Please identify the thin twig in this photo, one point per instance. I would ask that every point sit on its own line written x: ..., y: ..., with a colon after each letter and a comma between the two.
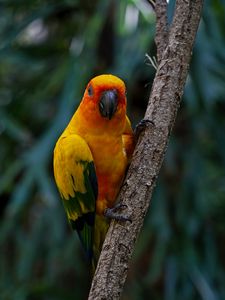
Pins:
x: 152, y: 61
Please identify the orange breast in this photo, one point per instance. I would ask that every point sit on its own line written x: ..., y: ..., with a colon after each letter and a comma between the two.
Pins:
x: 111, y: 162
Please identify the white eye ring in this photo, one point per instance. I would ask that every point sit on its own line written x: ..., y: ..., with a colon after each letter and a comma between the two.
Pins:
x: 90, y: 91
x: 101, y: 105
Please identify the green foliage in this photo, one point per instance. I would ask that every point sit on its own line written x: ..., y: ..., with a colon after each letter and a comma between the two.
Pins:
x: 48, y: 52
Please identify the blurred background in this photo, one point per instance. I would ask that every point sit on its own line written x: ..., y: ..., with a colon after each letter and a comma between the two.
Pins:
x: 49, y: 50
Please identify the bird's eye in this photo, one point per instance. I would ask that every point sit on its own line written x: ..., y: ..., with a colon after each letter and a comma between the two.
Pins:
x: 90, y: 91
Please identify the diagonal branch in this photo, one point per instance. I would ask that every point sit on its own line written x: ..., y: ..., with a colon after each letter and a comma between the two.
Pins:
x: 161, y: 35
x: 163, y: 104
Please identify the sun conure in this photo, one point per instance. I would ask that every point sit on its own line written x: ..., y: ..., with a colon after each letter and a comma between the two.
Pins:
x: 90, y: 160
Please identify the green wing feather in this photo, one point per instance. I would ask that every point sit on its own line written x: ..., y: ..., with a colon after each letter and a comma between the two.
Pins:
x: 76, y: 179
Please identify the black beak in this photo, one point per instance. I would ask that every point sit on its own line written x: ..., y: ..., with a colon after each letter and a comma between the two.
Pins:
x: 108, y: 104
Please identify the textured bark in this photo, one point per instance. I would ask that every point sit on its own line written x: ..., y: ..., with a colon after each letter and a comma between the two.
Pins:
x: 161, y: 35
x: 163, y: 104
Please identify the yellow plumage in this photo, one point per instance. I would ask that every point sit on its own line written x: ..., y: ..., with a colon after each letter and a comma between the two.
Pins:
x: 91, y: 157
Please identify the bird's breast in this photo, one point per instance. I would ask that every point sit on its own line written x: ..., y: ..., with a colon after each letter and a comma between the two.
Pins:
x: 108, y: 153
x: 110, y: 162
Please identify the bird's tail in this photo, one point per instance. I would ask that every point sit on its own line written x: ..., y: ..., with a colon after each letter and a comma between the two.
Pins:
x: 101, y: 228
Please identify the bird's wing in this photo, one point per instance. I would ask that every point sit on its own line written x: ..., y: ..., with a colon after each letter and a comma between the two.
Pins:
x: 76, y: 179
x: 128, y: 139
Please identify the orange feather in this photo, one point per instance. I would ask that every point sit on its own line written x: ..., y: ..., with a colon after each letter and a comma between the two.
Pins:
x: 108, y: 136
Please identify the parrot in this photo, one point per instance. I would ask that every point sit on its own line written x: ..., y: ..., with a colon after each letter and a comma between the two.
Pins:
x: 90, y: 161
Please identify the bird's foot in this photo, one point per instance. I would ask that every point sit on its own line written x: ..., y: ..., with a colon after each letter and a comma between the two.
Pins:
x: 112, y: 213
x: 140, y: 127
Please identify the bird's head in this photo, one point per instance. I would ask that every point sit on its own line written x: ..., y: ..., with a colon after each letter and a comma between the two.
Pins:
x: 105, y: 97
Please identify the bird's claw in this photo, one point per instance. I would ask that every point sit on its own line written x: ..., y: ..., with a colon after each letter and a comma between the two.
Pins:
x: 112, y: 213
x: 119, y: 206
x: 144, y: 123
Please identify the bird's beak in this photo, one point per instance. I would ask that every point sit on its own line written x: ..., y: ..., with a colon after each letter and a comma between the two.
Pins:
x: 108, y: 104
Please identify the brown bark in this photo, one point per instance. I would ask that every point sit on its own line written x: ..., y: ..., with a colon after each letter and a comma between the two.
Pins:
x: 161, y: 35
x: 162, y: 108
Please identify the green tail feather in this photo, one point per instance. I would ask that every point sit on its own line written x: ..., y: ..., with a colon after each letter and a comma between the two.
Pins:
x: 84, y: 227
x: 101, y: 228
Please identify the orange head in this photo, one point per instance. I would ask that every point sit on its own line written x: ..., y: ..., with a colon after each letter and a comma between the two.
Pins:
x: 105, y: 98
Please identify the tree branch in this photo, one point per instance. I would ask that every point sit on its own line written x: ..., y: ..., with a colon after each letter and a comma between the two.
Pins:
x: 136, y: 192
x: 161, y: 35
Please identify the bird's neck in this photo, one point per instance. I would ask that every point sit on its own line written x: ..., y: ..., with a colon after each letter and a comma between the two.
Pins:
x: 89, y: 122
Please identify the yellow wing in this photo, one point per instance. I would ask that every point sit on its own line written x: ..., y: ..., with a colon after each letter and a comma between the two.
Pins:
x: 128, y: 139
x: 76, y: 180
